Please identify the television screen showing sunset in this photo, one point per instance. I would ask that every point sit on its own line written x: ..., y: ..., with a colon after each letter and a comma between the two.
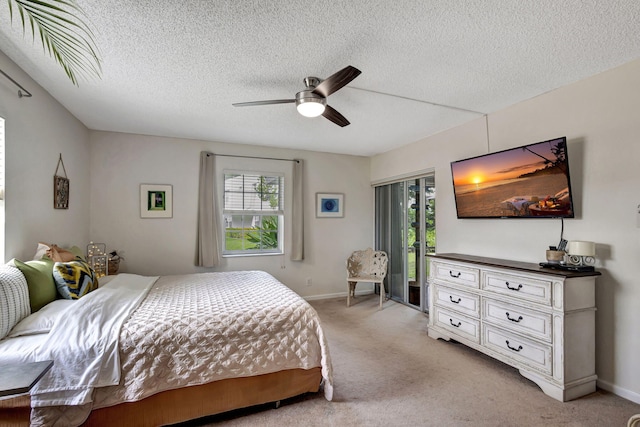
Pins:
x: 528, y: 181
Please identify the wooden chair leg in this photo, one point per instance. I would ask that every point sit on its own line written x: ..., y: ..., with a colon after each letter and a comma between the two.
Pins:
x: 383, y: 294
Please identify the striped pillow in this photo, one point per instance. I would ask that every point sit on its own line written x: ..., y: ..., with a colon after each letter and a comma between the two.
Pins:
x: 14, y: 298
x: 74, y: 279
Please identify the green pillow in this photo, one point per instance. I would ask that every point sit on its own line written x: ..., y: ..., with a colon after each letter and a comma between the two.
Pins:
x: 77, y: 252
x: 42, y: 287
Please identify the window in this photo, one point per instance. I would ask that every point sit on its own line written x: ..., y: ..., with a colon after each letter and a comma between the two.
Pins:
x: 253, y: 213
x: 2, y: 180
x: 1, y: 159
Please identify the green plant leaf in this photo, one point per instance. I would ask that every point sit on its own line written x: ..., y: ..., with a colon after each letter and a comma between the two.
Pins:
x: 62, y: 33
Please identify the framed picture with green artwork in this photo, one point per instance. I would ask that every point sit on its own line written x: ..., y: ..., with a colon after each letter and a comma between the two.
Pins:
x: 156, y: 201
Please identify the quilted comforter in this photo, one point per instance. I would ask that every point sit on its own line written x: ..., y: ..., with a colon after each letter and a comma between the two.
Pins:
x: 189, y: 330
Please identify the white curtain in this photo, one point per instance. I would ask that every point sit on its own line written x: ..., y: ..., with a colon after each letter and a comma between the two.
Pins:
x: 297, y: 215
x: 208, y: 231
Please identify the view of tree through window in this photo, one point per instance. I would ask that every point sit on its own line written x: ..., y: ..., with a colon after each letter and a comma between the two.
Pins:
x: 253, y: 213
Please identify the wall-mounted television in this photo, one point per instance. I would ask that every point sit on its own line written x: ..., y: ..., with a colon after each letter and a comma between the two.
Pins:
x: 531, y: 181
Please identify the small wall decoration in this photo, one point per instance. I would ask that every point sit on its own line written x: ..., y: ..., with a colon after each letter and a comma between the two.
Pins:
x: 329, y: 205
x: 60, y: 187
x: 156, y: 201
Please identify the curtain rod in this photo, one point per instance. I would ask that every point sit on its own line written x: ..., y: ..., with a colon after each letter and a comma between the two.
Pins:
x: 254, y: 157
x: 20, y: 94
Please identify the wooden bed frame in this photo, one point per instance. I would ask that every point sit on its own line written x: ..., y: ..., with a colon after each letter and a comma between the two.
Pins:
x: 179, y: 405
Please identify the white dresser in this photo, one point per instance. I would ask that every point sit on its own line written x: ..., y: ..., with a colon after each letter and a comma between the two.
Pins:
x: 539, y: 320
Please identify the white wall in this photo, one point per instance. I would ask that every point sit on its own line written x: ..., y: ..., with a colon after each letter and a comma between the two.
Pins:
x: 38, y: 130
x: 121, y: 162
x: 601, y: 118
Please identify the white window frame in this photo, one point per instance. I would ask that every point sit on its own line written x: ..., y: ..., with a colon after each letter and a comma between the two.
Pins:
x: 252, y: 211
x: 2, y: 186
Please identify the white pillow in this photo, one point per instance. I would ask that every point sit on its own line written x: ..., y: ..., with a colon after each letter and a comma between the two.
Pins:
x: 14, y: 298
x: 41, y: 251
x: 42, y: 320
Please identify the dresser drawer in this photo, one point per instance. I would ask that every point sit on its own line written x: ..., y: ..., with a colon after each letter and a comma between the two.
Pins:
x: 461, y: 301
x: 457, y: 274
x: 458, y: 324
x: 528, y: 352
x: 518, y: 319
x: 520, y: 287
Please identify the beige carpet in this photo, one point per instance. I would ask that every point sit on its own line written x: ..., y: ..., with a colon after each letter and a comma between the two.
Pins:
x: 388, y: 372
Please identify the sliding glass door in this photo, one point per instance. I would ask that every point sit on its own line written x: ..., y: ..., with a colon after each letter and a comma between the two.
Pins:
x: 405, y: 229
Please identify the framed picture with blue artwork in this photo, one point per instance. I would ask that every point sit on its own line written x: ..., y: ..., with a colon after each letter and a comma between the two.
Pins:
x: 329, y: 205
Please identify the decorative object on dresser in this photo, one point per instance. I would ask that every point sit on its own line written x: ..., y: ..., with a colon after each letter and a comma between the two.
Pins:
x: 555, y: 257
x: 539, y: 320
x: 581, y: 253
x: 366, y: 266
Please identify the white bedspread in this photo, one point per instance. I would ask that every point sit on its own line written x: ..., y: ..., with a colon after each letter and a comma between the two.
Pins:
x: 84, y: 344
x: 193, y: 329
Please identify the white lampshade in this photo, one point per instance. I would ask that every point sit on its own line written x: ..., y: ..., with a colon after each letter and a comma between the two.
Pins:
x: 581, y: 248
x: 310, y: 108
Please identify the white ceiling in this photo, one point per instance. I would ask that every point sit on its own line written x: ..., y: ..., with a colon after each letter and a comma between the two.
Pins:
x: 173, y: 68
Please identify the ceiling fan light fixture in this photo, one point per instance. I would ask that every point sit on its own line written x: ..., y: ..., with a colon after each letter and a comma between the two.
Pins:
x: 312, y: 101
x: 309, y: 104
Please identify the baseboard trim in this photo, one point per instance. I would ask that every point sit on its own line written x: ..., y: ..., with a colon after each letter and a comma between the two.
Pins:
x: 336, y: 295
x: 619, y: 391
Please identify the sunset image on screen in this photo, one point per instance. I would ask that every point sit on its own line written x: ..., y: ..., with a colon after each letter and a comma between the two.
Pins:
x: 514, y: 182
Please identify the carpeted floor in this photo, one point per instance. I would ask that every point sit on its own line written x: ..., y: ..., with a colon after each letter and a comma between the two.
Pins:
x: 388, y: 372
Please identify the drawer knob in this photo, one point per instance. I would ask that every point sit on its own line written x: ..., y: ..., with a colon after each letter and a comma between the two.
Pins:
x: 453, y: 324
x: 455, y: 276
x: 455, y: 302
x: 513, y: 319
x: 513, y: 348
x: 513, y: 289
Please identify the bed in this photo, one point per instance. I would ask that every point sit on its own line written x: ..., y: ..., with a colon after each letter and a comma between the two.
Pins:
x: 171, y: 349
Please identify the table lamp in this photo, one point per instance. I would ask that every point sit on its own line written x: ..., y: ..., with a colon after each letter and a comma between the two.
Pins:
x: 581, y: 253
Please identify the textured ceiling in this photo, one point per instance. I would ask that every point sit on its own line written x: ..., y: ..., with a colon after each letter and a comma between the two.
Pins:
x: 174, y: 68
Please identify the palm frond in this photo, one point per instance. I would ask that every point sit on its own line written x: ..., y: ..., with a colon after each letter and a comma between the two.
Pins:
x: 63, y: 34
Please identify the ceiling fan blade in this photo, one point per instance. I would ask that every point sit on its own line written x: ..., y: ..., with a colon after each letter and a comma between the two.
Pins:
x: 337, y: 81
x: 337, y: 118
x: 268, y: 102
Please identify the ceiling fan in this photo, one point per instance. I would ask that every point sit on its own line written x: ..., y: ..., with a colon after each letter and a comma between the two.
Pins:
x: 312, y: 101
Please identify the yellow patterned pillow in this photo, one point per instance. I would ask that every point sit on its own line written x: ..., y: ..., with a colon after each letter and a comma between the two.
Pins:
x: 74, y: 279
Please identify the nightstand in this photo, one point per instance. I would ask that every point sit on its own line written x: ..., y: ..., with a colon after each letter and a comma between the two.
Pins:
x: 16, y: 379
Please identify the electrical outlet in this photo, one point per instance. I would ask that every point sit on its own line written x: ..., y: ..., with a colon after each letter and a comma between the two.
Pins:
x: 308, y: 281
